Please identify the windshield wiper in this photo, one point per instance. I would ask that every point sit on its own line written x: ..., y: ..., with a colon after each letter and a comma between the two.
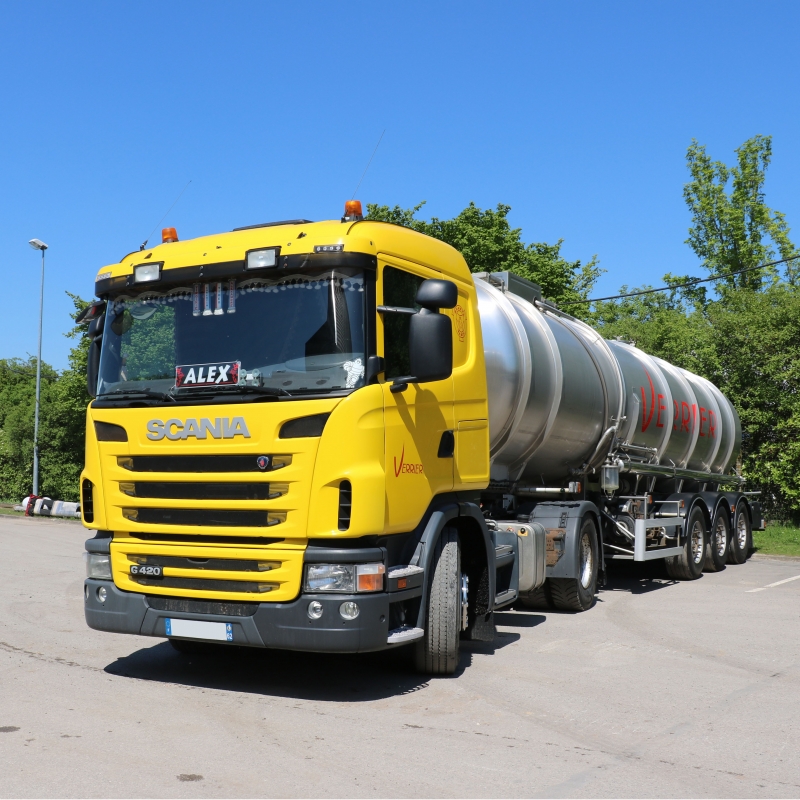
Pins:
x: 141, y: 392
x: 274, y: 391
x: 268, y: 391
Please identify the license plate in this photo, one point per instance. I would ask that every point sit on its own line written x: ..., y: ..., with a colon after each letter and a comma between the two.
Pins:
x: 198, y: 629
x: 147, y: 571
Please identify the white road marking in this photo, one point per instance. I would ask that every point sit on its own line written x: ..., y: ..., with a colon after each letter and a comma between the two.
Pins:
x: 777, y: 583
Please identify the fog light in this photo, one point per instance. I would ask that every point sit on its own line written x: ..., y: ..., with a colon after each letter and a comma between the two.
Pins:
x: 349, y: 610
x: 314, y: 609
x: 102, y: 594
x: 261, y: 259
x: 147, y: 273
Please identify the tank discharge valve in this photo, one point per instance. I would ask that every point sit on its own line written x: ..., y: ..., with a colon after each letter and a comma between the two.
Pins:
x: 609, y: 478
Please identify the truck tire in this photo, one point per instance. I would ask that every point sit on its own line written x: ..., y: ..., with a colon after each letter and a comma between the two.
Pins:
x: 741, y: 536
x: 688, y: 566
x: 538, y: 599
x: 437, y: 652
x: 718, y: 541
x: 577, y: 594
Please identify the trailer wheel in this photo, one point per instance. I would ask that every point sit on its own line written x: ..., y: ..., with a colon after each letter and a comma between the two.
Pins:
x: 538, y: 599
x: 718, y: 542
x: 741, y: 536
x: 577, y: 594
x: 437, y: 652
x: 688, y: 566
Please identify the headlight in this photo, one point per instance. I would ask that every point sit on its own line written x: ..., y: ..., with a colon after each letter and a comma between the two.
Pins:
x: 98, y: 566
x: 331, y: 578
x: 147, y: 273
x: 262, y: 259
x: 349, y: 578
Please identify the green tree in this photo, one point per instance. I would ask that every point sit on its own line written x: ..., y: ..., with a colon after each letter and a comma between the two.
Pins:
x: 732, y: 226
x: 489, y: 244
x: 61, y: 423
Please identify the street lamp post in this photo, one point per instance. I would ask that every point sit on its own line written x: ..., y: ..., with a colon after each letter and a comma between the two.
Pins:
x: 38, y: 244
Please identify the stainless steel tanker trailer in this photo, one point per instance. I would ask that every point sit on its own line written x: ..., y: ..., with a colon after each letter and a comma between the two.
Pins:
x: 600, y: 452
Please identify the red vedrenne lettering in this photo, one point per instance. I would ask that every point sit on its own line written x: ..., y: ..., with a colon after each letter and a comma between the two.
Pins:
x: 661, y: 407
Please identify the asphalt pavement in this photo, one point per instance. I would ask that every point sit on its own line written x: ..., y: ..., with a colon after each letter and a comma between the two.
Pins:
x: 663, y: 689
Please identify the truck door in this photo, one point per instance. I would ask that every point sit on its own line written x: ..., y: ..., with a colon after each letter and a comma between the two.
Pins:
x: 416, y: 419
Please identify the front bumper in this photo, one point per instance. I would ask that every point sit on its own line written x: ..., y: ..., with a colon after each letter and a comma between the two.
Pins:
x: 284, y: 626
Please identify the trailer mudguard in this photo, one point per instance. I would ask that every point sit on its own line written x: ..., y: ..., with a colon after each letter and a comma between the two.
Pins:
x: 562, y: 521
x: 706, y: 500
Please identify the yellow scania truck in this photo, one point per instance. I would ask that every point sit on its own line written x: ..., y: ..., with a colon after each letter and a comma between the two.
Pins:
x: 334, y: 437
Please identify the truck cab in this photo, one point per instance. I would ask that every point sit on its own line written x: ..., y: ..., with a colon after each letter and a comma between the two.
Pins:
x: 288, y: 441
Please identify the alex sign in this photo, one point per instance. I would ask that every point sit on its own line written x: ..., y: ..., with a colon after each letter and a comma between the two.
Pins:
x: 197, y: 375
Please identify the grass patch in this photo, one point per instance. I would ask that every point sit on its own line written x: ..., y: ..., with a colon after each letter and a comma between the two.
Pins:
x: 10, y: 512
x: 778, y: 540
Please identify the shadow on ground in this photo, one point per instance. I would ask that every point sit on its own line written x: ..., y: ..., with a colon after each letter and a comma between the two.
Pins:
x: 304, y: 676
x: 636, y: 577
x: 279, y: 673
x: 344, y: 678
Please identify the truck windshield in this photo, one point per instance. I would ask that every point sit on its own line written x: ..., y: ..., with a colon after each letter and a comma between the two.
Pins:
x: 293, y: 334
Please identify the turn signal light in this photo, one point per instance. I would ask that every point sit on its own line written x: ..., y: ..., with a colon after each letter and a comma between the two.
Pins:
x: 370, y: 577
x: 169, y: 235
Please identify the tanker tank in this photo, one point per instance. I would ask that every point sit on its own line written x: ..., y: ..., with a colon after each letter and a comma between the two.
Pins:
x: 563, y: 400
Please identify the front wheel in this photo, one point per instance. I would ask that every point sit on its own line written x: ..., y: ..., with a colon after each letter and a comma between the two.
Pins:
x: 688, y: 566
x: 438, y: 650
x: 577, y: 594
x: 718, y: 542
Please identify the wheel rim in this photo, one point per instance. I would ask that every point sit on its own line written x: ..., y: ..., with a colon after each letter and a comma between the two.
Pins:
x: 741, y: 531
x: 721, y: 537
x: 697, y: 541
x: 587, y: 561
x: 464, y: 601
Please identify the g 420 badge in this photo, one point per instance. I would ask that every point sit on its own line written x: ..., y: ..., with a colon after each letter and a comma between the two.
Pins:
x: 192, y: 376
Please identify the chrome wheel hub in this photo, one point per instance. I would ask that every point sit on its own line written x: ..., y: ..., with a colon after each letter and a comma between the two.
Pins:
x: 741, y: 531
x: 720, y: 538
x: 697, y: 542
x: 587, y: 561
x: 464, y: 601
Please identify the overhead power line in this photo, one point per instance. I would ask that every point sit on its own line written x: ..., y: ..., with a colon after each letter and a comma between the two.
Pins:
x: 692, y: 282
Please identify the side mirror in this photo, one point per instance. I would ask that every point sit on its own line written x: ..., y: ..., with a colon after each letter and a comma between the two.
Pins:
x: 430, y: 345
x: 91, y: 312
x: 435, y: 294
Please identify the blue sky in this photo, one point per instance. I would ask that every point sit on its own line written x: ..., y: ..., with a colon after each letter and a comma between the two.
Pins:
x: 577, y: 114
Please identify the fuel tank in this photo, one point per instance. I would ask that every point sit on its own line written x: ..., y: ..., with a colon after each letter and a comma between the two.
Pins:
x: 562, y: 398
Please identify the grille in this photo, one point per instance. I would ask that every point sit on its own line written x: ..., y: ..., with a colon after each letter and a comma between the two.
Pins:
x: 204, y: 491
x: 248, y: 463
x: 206, y: 584
x: 345, y: 504
x: 200, y: 538
x: 203, y: 517
x: 182, y: 604
x: 221, y: 564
